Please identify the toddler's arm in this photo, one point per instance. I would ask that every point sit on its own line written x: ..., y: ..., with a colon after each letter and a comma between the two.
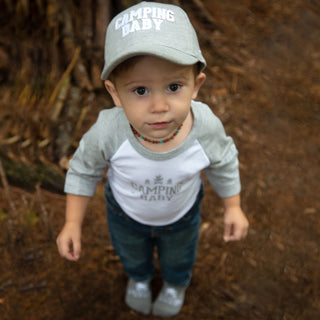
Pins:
x: 69, y: 239
x: 235, y: 222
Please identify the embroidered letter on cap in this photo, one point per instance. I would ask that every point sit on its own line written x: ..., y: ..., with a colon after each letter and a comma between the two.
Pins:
x: 157, y: 23
x: 143, y: 19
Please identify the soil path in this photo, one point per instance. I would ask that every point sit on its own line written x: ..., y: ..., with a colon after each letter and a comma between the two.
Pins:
x: 263, y: 82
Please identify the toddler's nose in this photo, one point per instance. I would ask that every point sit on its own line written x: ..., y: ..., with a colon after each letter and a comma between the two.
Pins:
x: 159, y: 104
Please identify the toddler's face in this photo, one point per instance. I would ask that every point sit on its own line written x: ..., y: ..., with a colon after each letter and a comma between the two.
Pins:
x: 156, y: 95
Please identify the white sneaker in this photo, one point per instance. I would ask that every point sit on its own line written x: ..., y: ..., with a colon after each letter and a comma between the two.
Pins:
x: 138, y: 296
x: 169, y: 301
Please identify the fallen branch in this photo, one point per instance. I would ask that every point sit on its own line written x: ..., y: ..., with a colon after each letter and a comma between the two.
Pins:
x: 28, y: 176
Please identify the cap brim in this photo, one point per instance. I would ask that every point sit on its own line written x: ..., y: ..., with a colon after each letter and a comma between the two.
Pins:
x: 167, y: 53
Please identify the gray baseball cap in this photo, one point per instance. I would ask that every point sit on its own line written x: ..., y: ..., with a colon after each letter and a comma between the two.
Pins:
x: 151, y: 28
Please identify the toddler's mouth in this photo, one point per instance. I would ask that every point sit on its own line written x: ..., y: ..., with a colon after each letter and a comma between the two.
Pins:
x: 159, y: 125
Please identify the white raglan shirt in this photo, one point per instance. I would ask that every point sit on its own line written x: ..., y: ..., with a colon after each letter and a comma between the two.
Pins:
x: 154, y: 188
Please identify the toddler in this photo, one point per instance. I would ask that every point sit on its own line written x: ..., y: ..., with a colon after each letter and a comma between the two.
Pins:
x: 155, y: 143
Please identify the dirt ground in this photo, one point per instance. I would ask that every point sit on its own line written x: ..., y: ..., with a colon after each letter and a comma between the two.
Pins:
x: 264, y: 83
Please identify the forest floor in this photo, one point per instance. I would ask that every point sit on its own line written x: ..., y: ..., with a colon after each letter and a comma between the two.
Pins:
x: 263, y: 81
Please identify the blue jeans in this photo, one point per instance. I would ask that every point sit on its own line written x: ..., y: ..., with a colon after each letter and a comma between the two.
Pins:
x: 134, y: 242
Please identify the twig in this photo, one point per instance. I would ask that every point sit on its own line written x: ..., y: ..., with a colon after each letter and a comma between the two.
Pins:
x: 65, y: 75
x: 44, y: 210
x: 61, y: 97
x: 80, y: 73
x: 13, y: 209
x: 5, y: 185
x: 29, y: 286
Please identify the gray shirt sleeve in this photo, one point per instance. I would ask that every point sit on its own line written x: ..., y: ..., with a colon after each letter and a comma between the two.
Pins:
x: 223, y: 171
x: 91, y: 158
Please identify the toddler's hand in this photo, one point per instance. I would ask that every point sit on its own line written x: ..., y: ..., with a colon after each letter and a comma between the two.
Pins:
x: 235, y: 224
x: 69, y: 241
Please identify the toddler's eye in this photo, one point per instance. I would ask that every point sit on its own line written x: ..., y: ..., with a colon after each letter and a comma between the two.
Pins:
x: 141, y: 91
x: 174, y: 87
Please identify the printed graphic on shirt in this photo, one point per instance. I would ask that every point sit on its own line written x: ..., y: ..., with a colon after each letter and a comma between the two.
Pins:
x: 157, y: 189
x: 143, y: 19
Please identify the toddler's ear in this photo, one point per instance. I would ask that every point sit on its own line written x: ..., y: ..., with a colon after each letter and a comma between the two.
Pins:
x: 113, y: 92
x: 200, y: 78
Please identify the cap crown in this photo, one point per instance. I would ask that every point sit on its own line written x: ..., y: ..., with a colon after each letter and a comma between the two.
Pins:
x: 151, y: 28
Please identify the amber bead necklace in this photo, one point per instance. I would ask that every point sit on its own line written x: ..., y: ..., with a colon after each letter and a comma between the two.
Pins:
x: 155, y: 141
